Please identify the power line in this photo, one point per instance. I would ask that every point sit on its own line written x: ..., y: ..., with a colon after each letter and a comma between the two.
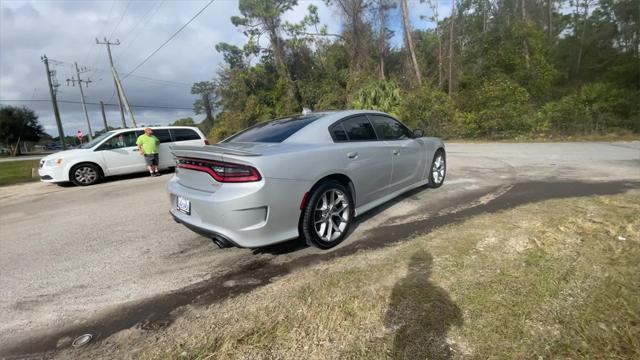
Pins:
x: 145, y: 20
x: 142, y: 77
x: 119, y: 21
x: 169, y: 39
x: 93, y: 46
x: 94, y: 103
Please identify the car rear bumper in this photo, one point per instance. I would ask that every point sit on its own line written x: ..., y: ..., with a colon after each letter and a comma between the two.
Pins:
x: 246, y: 215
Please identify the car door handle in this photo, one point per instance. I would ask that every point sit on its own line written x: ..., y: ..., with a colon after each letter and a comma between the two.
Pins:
x: 352, y: 155
x: 396, y: 152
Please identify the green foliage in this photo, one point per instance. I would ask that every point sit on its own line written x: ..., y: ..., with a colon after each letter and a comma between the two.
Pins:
x: 188, y: 121
x: 594, y: 108
x: 379, y: 95
x: 515, y: 71
x: 431, y: 110
x: 498, y: 108
x: 18, y: 124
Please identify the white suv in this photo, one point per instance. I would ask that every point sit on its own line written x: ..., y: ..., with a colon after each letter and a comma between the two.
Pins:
x: 114, y: 153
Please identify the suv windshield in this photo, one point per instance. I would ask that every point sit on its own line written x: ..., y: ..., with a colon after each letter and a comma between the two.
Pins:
x: 97, y: 140
x: 274, y: 131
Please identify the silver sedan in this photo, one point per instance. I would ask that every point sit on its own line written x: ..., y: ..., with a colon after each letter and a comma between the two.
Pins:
x: 303, y: 176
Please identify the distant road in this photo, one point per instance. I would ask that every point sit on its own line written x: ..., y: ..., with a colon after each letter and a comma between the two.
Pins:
x: 20, y: 158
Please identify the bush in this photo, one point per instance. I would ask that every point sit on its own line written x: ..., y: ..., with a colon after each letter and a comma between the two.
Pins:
x: 499, y: 108
x: 379, y: 95
x: 429, y: 109
x: 595, y: 108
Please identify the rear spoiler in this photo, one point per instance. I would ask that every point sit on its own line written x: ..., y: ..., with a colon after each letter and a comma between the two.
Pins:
x: 210, y: 150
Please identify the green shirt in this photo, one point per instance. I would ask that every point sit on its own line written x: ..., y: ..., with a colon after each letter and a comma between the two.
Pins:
x: 149, y: 144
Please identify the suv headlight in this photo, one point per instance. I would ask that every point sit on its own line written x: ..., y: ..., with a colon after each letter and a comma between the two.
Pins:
x: 53, y: 162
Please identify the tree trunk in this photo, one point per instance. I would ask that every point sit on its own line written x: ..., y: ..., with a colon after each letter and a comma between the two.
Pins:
x: 550, y: 19
x: 581, y: 41
x: 451, y: 27
x: 525, y: 43
x: 439, y: 59
x: 281, y: 66
x: 382, y: 41
x: 207, y: 107
x: 407, y: 33
x: 484, y: 16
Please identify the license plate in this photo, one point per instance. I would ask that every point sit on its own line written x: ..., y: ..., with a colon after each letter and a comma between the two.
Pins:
x: 184, y: 205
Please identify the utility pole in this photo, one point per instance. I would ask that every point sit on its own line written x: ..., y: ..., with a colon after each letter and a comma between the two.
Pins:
x: 80, y: 81
x: 122, y: 98
x: 54, y: 101
x: 451, y: 22
x: 104, y: 117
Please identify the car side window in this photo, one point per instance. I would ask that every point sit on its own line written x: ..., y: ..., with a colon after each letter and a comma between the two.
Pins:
x: 390, y: 129
x: 338, y: 132
x: 163, y: 135
x: 184, y: 134
x: 358, y: 128
x: 121, y: 140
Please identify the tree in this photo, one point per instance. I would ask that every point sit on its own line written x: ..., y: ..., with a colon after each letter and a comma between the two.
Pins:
x: 183, y: 122
x: 207, y: 92
x: 356, y: 31
x: 264, y: 17
x: 18, y: 124
x: 382, y: 8
x: 409, y: 40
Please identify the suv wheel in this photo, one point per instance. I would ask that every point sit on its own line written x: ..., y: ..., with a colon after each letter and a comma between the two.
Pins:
x: 84, y: 174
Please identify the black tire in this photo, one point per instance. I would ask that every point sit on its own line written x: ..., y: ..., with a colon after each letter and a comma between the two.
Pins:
x: 432, y: 182
x: 312, y: 214
x: 85, y: 174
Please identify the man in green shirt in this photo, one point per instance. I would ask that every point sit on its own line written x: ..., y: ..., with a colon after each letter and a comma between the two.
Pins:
x: 148, y: 146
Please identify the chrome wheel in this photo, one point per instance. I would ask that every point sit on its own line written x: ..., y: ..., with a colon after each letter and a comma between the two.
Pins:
x: 438, y: 169
x: 331, y: 215
x: 85, y: 175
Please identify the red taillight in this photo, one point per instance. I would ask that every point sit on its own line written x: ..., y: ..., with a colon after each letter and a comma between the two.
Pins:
x: 206, y: 142
x: 221, y: 171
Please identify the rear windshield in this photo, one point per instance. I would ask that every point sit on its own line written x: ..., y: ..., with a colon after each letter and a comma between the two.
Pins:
x: 273, y: 131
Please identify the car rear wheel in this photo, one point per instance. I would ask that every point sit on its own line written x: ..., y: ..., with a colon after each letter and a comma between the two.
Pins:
x: 85, y: 174
x: 438, y: 169
x: 328, y: 214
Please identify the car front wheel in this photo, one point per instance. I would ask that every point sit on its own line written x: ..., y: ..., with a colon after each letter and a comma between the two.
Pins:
x: 438, y: 169
x: 328, y: 214
x: 85, y: 174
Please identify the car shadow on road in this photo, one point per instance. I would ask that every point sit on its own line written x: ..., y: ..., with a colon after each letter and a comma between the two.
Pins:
x: 298, y: 244
x: 420, y: 314
x: 115, y: 178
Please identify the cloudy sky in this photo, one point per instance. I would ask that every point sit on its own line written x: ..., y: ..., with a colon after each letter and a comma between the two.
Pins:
x: 159, y: 90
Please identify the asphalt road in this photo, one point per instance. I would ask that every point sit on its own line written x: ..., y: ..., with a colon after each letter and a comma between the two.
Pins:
x: 74, y: 258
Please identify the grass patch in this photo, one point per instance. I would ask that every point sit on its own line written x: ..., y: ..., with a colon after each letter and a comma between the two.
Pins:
x: 13, y: 172
x: 556, y: 279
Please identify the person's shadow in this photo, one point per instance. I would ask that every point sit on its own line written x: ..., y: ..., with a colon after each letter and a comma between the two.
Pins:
x: 420, y: 314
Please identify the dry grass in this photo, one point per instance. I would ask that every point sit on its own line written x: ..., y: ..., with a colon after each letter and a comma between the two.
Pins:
x: 547, y: 280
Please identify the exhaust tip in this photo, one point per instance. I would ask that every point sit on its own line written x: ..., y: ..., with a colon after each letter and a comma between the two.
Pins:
x: 221, y: 242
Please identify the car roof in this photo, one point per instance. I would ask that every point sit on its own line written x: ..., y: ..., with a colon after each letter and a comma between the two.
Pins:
x: 155, y: 128
x: 316, y: 132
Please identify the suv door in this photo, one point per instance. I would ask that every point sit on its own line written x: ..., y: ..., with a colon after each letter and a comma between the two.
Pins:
x: 407, y: 152
x: 369, y: 162
x: 165, y: 158
x: 121, y: 155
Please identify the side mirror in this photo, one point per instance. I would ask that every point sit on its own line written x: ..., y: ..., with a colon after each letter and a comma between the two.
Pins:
x: 418, y: 133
